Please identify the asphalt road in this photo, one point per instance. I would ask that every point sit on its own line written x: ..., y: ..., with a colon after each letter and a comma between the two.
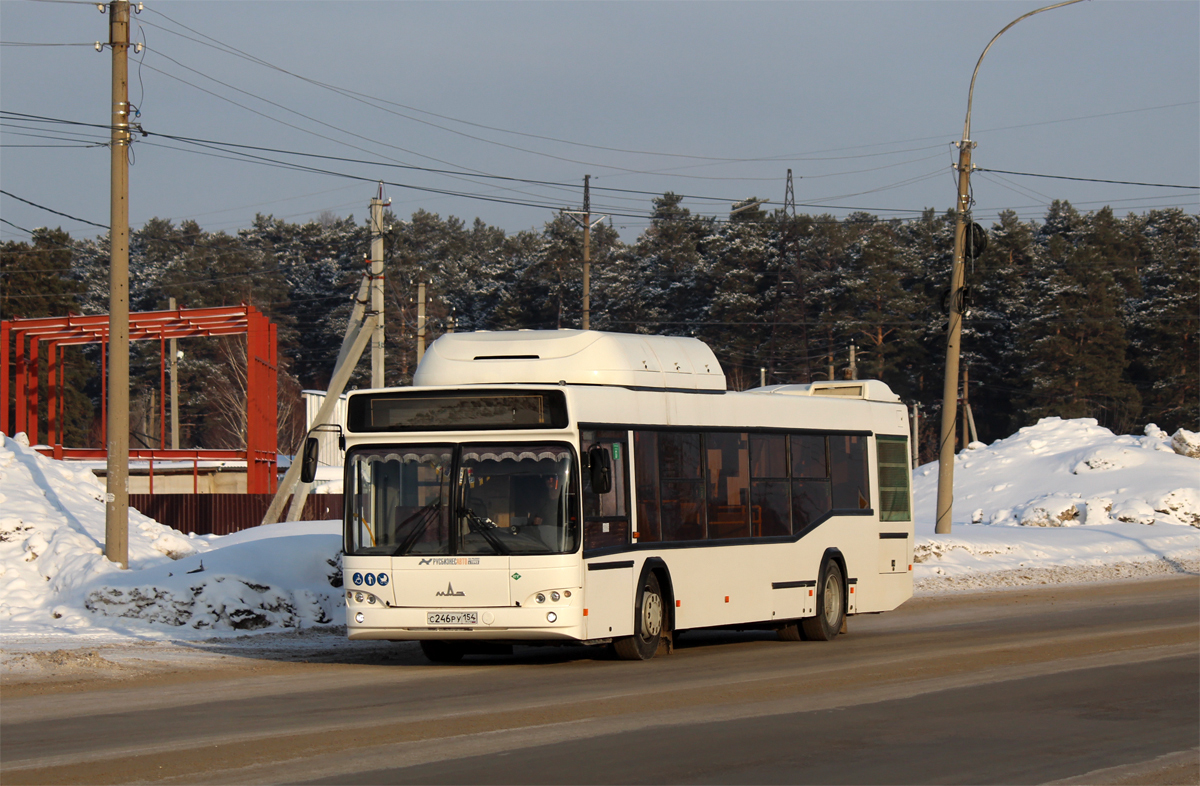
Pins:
x: 1094, y: 682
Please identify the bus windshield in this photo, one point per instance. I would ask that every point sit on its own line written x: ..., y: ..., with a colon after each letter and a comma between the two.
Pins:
x: 472, y: 499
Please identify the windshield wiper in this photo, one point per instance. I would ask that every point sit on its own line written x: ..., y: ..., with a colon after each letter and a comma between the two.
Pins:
x: 420, y: 522
x: 484, y: 527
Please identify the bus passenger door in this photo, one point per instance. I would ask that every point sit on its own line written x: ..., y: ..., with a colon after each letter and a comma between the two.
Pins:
x: 606, y: 520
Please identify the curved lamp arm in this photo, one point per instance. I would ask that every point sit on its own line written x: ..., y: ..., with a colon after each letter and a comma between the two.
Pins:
x: 971, y: 92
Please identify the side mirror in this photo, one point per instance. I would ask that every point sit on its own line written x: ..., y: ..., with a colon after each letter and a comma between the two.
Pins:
x: 308, y: 467
x: 600, y: 469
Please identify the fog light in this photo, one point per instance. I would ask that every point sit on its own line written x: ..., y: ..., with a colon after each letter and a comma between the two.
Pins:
x: 359, y: 617
x: 551, y: 617
x: 541, y: 598
x: 555, y: 596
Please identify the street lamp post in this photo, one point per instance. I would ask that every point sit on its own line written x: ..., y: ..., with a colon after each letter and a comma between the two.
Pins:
x: 945, y: 496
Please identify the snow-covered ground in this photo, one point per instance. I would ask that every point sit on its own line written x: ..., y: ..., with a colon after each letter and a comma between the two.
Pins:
x: 1059, y: 501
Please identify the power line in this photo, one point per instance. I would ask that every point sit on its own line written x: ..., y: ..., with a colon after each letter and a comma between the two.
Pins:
x: 51, y: 210
x: 1085, y: 179
x: 32, y: 43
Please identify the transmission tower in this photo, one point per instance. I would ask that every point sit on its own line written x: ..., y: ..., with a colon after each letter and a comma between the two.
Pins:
x: 789, y: 198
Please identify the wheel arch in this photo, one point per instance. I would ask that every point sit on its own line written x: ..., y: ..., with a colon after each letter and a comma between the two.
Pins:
x: 658, y: 567
x: 834, y: 554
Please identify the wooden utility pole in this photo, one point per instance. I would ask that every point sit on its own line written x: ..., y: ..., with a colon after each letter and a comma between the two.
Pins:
x: 945, y: 489
x: 584, y: 219
x: 421, y: 318
x: 916, y: 434
x: 377, y: 205
x: 945, y: 496
x: 116, y: 506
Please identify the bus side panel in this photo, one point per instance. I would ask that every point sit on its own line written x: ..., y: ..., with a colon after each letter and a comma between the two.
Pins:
x: 608, y: 599
x: 727, y: 586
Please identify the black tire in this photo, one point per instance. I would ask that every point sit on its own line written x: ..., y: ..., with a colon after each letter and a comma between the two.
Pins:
x: 648, y: 623
x: 831, y: 605
x: 443, y: 651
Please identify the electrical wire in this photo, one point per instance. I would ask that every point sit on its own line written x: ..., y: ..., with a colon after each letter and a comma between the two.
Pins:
x: 32, y: 43
x: 367, y: 99
x: 465, y: 176
x: 1085, y: 179
x: 51, y: 210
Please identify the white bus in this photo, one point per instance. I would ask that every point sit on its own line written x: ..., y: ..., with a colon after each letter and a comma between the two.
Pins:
x: 600, y: 488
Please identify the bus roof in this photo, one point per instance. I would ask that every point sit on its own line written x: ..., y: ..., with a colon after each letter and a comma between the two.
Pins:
x: 573, y: 357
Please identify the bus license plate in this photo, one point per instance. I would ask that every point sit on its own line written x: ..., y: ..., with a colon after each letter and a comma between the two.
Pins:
x: 453, y: 617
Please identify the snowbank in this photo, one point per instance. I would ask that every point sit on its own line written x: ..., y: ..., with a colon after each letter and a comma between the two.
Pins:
x: 1061, y: 493
x: 54, y: 578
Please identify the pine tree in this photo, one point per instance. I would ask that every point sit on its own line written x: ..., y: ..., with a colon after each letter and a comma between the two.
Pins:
x: 1075, y: 339
x: 1163, y: 320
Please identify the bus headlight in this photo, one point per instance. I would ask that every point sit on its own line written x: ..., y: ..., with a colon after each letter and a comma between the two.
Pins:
x: 551, y: 617
x: 541, y: 598
x: 554, y: 595
x: 358, y: 596
x: 370, y: 599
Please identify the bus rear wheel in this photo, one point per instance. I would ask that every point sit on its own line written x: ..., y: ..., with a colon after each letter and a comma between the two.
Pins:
x: 647, y: 626
x: 443, y: 651
x: 831, y: 605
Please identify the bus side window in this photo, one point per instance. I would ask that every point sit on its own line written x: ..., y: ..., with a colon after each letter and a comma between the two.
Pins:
x: 810, y: 480
x: 606, y: 516
x: 728, y: 458
x: 645, y: 443
x: 770, y: 513
x: 848, y: 462
x: 681, y: 486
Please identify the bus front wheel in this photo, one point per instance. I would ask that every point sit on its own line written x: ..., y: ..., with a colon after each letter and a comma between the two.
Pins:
x: 831, y: 605
x: 442, y: 651
x: 647, y: 626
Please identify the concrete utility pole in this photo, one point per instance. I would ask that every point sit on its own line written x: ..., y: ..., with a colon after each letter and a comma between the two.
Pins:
x: 174, y: 387
x: 962, y: 207
x: 584, y: 219
x: 358, y: 336
x: 116, y: 506
x: 853, y: 370
x: 377, y: 205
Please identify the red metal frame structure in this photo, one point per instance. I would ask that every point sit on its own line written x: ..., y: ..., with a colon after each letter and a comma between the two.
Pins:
x: 260, y: 454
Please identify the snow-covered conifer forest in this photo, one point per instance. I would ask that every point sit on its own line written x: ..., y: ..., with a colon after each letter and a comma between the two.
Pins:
x: 1075, y: 315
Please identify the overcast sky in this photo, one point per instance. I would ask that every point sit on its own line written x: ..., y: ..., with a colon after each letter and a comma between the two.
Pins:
x: 714, y: 100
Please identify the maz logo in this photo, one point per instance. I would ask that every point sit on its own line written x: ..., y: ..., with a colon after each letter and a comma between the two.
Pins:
x: 450, y: 593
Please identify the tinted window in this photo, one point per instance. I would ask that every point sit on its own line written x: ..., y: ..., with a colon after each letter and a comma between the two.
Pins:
x: 768, y: 455
x: 769, y: 508
x: 728, y: 464
x: 721, y: 484
x: 679, y: 455
x: 682, y: 510
x: 646, y: 485
x: 810, y: 501
x: 809, y: 457
x: 848, y: 465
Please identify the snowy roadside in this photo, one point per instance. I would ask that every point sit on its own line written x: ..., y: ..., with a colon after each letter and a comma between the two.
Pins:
x: 1060, y: 502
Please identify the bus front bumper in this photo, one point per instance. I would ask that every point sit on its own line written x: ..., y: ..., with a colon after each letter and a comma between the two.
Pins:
x: 505, y: 623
